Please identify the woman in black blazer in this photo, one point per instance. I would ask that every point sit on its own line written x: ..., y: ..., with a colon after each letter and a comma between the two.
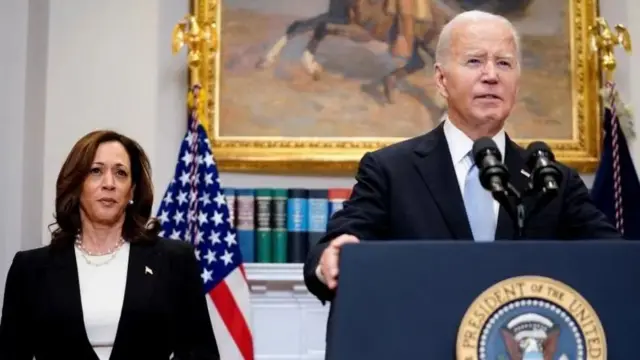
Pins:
x: 107, y: 287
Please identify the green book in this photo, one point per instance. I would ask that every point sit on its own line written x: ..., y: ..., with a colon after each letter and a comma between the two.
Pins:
x: 264, y: 237
x: 279, y: 225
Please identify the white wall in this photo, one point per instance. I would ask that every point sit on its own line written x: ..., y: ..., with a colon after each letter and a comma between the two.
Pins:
x: 72, y: 66
x: 22, y: 100
x: 69, y: 67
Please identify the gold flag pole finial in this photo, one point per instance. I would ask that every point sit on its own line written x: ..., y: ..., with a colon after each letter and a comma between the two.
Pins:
x: 603, y: 41
x: 198, y: 32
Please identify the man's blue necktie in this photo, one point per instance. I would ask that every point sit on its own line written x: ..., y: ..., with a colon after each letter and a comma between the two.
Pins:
x: 479, y: 205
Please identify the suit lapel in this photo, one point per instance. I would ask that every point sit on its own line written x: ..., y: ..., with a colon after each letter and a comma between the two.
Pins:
x: 514, y: 161
x: 65, y: 296
x: 142, y: 273
x: 433, y: 162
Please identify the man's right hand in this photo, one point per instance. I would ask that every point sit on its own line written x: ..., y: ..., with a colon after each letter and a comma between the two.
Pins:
x: 328, y: 266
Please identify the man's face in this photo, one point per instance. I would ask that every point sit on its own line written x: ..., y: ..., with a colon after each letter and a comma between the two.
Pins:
x: 480, y: 76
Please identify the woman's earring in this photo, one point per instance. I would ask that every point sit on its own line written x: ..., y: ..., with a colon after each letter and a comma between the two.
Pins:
x: 131, y: 202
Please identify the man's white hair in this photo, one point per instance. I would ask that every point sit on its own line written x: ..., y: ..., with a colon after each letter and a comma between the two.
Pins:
x: 444, y: 41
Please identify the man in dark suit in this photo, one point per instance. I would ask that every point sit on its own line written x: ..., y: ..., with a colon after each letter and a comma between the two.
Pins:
x: 427, y: 187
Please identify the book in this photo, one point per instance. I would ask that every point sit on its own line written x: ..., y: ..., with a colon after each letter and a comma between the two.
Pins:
x: 279, y: 225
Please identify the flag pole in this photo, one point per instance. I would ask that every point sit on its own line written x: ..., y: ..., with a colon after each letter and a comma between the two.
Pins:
x: 198, y: 33
x: 603, y: 41
x: 196, y: 191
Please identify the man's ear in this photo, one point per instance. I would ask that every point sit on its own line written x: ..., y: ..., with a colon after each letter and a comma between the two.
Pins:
x: 440, y: 80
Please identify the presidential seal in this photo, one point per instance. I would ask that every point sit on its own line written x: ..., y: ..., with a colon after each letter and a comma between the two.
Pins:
x: 530, y: 318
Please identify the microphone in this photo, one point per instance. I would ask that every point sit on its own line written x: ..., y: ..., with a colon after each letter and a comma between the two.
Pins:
x: 494, y: 177
x: 545, y: 174
x: 493, y: 173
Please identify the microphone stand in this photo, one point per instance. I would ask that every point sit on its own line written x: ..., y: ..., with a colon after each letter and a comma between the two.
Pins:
x: 518, y: 214
x: 519, y: 218
x: 542, y: 197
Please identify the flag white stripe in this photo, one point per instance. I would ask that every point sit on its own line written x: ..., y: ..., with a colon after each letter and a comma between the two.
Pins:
x: 226, y: 345
x: 240, y: 291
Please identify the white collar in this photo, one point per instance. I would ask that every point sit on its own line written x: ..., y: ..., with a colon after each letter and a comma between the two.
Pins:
x: 460, y: 144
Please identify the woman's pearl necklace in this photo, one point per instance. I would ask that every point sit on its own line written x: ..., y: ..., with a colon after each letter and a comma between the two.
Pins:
x: 113, y: 251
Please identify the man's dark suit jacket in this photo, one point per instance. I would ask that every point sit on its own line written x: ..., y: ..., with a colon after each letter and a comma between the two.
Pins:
x: 163, y: 312
x: 409, y: 191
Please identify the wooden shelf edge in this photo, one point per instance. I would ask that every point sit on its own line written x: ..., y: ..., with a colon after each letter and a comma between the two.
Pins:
x: 258, y: 272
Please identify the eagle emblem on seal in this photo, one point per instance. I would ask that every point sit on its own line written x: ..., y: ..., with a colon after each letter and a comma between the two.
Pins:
x: 531, y: 336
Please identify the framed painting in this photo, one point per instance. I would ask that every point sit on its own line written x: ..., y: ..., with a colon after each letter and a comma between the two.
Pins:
x: 310, y: 86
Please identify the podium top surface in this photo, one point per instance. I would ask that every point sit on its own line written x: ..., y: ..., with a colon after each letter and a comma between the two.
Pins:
x: 424, y: 299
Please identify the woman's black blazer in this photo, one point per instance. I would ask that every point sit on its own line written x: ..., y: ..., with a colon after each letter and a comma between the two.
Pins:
x: 164, y: 310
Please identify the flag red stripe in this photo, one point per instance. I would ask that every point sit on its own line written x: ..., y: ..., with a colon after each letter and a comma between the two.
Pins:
x: 243, y: 271
x: 233, y: 318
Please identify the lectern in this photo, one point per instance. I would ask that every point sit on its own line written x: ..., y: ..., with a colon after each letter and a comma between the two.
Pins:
x: 507, y: 300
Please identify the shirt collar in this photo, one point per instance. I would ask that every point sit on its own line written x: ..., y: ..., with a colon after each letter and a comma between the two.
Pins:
x: 460, y: 144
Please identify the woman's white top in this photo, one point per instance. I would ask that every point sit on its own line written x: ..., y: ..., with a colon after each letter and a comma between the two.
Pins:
x: 102, y: 293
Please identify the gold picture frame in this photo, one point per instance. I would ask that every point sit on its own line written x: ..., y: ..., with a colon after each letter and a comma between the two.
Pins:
x: 333, y: 155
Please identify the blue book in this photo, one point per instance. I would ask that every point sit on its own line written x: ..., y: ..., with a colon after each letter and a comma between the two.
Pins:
x: 297, y: 225
x: 245, y: 223
x: 318, y: 204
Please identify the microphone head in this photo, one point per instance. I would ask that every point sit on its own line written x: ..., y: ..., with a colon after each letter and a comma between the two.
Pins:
x: 481, y: 147
x: 537, y: 148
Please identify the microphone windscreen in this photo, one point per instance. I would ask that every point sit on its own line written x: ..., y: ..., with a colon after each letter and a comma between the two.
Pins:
x: 537, y: 147
x: 480, y: 147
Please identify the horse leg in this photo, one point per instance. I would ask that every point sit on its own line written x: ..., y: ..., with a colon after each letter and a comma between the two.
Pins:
x: 296, y: 28
x: 425, y: 42
x: 390, y: 81
x: 351, y: 31
x: 403, y: 45
x: 415, y: 63
x: 308, y: 57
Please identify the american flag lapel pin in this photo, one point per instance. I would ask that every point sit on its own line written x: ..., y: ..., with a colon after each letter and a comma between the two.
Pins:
x: 147, y: 270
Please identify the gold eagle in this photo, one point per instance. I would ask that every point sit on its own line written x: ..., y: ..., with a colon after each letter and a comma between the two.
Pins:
x: 603, y: 38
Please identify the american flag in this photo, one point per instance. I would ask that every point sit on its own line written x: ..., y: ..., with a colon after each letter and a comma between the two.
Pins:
x: 616, y: 186
x: 194, y: 209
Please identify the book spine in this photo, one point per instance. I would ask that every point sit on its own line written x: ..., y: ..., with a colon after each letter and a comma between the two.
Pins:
x: 318, y: 210
x: 337, y: 197
x: 279, y: 225
x: 245, y: 223
x: 264, y: 242
x: 230, y: 196
x: 297, y: 222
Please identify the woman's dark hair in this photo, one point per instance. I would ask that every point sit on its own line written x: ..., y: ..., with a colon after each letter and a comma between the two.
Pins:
x: 138, y: 223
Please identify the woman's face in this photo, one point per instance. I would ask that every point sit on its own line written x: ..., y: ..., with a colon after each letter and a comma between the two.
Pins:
x: 107, y: 189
